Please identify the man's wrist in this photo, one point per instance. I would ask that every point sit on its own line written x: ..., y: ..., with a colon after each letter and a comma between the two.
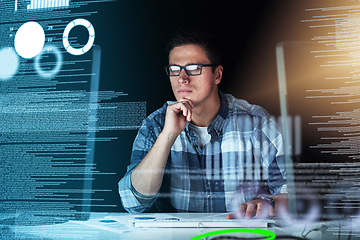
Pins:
x: 168, y: 136
x: 266, y: 198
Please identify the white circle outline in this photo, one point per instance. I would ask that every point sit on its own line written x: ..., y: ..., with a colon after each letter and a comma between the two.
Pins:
x: 78, y: 22
x: 52, y: 73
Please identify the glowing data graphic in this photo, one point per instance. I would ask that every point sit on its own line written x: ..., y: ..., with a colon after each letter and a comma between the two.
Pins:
x: 9, y: 63
x: 29, y: 39
x: 38, y: 4
x: 78, y: 22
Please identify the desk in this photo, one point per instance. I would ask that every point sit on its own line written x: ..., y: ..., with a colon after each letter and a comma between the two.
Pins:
x: 100, y: 226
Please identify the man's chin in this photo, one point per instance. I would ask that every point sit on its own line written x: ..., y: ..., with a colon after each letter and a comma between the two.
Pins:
x: 179, y: 98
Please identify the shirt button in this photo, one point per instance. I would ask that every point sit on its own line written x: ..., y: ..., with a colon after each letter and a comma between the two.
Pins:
x: 208, y: 196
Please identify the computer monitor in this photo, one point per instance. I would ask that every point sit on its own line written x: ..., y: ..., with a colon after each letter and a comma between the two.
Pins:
x: 319, y: 112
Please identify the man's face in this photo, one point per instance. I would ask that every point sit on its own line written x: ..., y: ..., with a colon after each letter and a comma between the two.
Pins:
x: 198, y: 89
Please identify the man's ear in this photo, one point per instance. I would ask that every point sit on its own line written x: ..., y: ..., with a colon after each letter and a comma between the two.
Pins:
x: 218, y: 74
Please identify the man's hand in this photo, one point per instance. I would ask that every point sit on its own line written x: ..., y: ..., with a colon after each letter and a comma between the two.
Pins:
x: 177, y: 116
x: 147, y: 176
x: 260, y: 208
x: 256, y: 208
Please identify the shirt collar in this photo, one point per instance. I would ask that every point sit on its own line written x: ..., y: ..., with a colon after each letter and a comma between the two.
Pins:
x: 217, y: 125
x: 215, y: 128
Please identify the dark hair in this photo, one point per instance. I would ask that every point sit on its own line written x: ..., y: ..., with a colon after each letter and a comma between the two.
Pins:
x: 197, y: 37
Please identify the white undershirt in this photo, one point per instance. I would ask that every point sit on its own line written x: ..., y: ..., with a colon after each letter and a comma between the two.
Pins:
x: 203, y: 136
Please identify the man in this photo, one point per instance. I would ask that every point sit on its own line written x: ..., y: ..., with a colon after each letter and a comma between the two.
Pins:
x: 207, y: 152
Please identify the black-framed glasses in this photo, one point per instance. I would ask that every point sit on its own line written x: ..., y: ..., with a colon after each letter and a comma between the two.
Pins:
x: 191, y: 69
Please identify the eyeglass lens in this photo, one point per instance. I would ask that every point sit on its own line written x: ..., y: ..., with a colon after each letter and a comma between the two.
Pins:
x: 190, y: 70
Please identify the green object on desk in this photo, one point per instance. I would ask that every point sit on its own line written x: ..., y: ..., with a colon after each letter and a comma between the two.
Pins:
x: 268, y: 235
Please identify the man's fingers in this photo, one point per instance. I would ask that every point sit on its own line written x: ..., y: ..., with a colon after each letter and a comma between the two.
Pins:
x: 256, y: 208
x: 264, y: 210
x: 246, y: 210
x: 189, y: 106
x: 259, y: 210
x: 187, y: 101
x: 184, y: 107
x: 186, y: 111
x: 242, y: 210
x: 231, y: 216
x: 271, y: 212
x: 250, y: 209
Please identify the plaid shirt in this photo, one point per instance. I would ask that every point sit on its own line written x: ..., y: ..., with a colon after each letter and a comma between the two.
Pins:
x: 245, y: 152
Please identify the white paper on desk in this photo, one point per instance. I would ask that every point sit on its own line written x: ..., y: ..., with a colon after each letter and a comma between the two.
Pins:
x: 115, y: 227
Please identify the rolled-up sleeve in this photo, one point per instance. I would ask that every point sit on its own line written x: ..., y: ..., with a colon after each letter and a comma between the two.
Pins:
x: 145, y: 139
x: 128, y: 198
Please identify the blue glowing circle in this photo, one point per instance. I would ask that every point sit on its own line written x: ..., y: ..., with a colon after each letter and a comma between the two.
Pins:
x: 53, y: 72
x: 9, y: 63
x: 78, y: 22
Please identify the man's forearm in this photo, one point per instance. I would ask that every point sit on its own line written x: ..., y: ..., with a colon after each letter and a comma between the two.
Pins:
x: 147, y: 177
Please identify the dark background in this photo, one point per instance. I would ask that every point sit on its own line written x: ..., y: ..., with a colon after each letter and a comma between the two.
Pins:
x: 133, y: 36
